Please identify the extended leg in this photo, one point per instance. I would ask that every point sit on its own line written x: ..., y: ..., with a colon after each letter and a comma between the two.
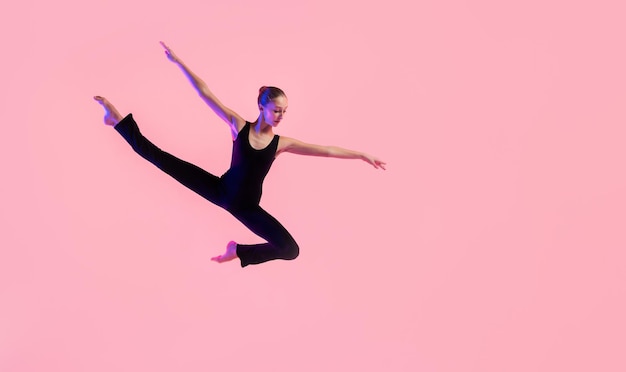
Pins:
x: 198, y: 180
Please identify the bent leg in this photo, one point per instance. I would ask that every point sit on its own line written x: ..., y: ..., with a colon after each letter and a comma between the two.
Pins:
x: 280, y: 244
x: 197, y: 179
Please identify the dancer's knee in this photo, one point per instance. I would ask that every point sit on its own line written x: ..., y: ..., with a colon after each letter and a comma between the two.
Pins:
x: 292, y: 251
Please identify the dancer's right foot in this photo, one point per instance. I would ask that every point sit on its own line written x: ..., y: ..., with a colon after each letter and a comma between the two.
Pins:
x: 229, y: 255
x: 111, y: 115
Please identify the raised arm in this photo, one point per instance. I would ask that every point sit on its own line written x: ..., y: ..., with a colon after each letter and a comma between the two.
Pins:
x: 229, y: 116
x: 295, y: 146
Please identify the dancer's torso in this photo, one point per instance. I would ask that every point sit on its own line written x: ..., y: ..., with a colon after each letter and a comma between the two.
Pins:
x: 248, y: 168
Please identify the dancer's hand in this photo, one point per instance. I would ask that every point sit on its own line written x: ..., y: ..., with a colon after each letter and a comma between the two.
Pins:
x: 168, y: 52
x: 377, y: 163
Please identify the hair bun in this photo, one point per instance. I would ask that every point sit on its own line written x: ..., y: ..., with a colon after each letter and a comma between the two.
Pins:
x: 267, y: 94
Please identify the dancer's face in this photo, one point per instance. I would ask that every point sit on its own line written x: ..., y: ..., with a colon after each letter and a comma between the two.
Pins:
x: 274, y: 110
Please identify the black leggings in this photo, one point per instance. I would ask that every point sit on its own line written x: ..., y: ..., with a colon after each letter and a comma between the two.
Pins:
x: 280, y: 244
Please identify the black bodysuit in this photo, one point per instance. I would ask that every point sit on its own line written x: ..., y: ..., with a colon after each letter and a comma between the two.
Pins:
x: 248, y: 168
x: 238, y: 190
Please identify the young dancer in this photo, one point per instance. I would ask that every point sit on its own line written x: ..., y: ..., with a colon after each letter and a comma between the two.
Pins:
x: 255, y: 146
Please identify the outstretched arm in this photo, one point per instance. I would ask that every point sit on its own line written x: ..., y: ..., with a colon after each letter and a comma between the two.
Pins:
x: 229, y: 116
x: 301, y: 148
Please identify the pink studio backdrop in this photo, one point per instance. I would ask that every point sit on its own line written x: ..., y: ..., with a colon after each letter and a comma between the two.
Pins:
x: 494, y: 241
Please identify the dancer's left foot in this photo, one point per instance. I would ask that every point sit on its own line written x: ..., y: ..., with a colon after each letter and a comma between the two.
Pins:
x: 111, y: 115
x: 229, y: 255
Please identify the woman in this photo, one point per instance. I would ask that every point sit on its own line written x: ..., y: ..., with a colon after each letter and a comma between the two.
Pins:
x: 255, y: 146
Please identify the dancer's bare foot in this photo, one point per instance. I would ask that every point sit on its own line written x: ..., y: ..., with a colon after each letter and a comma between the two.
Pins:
x: 111, y: 115
x: 229, y: 255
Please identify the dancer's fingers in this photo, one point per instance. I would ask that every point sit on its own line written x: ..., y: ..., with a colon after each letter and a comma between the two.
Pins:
x: 168, y: 49
x: 376, y: 163
x: 168, y: 52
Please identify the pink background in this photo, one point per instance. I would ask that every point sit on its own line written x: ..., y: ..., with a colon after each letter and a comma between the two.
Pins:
x: 494, y: 241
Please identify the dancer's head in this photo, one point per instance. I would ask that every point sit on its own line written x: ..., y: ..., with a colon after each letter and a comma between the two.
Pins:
x: 272, y: 104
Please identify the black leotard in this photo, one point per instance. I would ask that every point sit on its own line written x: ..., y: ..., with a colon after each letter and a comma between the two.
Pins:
x: 238, y: 190
x: 248, y: 168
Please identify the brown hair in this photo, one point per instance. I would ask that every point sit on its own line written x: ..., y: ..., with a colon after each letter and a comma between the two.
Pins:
x: 267, y: 94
